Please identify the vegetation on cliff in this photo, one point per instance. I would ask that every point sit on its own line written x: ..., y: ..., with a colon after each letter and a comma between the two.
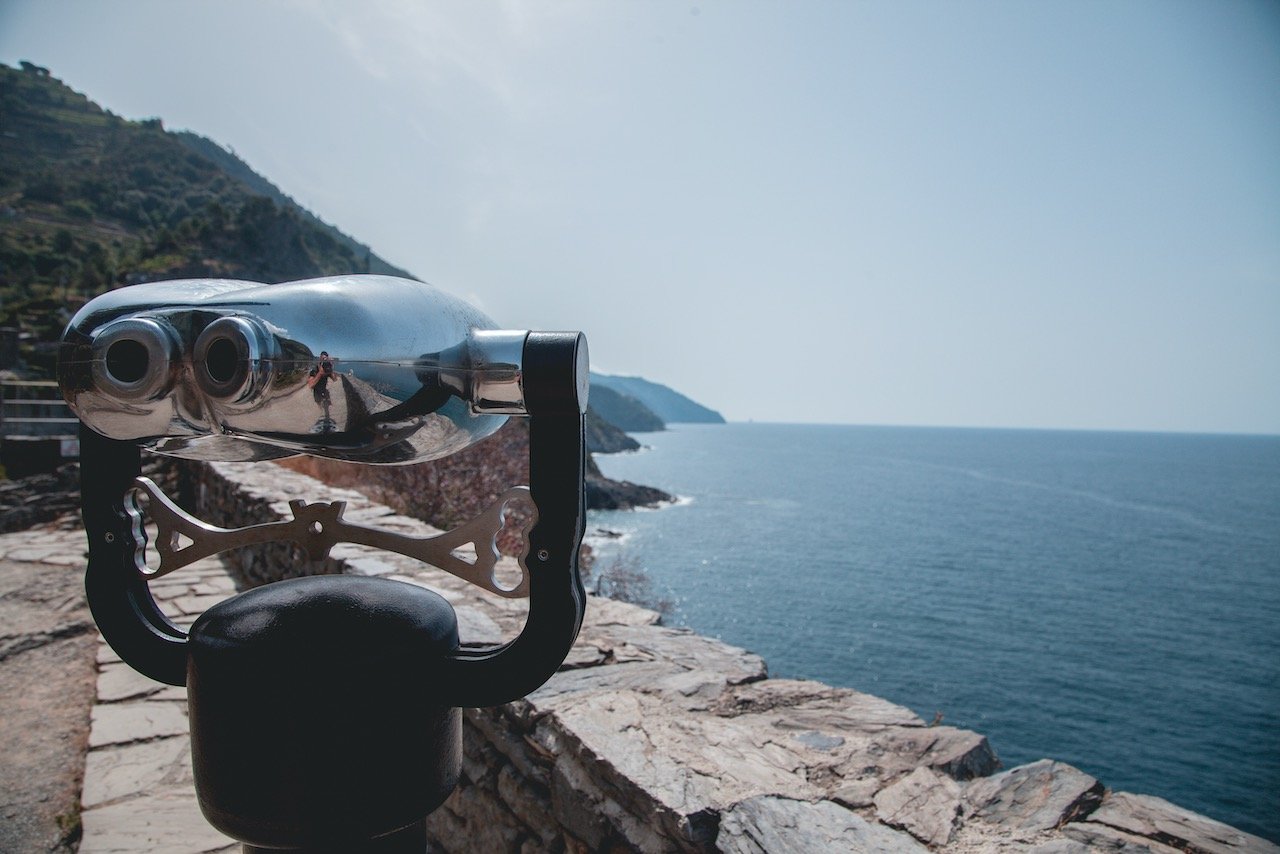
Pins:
x: 91, y: 201
x: 669, y: 405
x: 623, y: 410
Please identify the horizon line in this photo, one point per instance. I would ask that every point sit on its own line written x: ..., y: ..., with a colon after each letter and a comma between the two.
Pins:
x: 1144, y: 430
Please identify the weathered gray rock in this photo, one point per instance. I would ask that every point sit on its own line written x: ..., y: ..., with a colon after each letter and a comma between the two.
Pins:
x: 774, y: 824
x: 858, y: 793
x: 168, y: 821
x: 958, y: 753
x: 636, y: 676
x: 603, y: 612
x: 1072, y: 846
x: 924, y: 803
x: 477, y: 627
x: 1038, y: 796
x: 135, y: 769
x: 724, y: 665
x: 121, y: 682
x: 669, y: 769
x: 1145, y: 819
x: 135, y: 720
x: 803, y: 705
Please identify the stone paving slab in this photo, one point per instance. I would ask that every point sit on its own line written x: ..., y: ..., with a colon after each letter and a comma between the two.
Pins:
x: 47, y: 679
x: 118, y: 681
x: 134, y: 770
x: 138, y: 792
x: 126, y: 723
x: 164, y: 821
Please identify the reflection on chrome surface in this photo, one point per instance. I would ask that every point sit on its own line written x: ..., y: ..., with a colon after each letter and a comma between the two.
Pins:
x: 370, y: 369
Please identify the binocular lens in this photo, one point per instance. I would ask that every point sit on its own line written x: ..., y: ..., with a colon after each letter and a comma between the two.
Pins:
x: 127, y: 360
x: 132, y: 358
x: 221, y: 360
x: 232, y: 360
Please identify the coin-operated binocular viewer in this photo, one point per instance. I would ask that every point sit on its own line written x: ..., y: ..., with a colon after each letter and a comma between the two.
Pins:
x: 325, y: 710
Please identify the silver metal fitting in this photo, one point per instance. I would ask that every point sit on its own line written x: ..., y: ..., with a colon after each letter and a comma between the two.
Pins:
x: 496, y: 371
x: 232, y: 360
x: 132, y: 358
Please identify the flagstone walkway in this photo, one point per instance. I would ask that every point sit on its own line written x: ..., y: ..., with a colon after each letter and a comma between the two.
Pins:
x: 138, y: 792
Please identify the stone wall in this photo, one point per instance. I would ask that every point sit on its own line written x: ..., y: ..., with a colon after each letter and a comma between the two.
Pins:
x: 36, y: 499
x: 230, y: 503
x: 653, y: 738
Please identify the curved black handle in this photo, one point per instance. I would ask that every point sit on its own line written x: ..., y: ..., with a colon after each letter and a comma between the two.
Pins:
x: 555, y: 389
x: 118, y: 596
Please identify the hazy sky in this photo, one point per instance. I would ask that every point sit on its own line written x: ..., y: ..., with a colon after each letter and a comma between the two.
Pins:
x: 1040, y: 214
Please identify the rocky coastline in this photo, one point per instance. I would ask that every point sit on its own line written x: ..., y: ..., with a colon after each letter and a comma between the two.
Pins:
x: 650, y: 738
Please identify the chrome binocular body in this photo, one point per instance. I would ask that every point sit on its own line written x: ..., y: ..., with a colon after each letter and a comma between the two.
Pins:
x: 368, y: 369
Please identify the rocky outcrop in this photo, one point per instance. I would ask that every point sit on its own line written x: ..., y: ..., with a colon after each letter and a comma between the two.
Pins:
x: 772, y: 823
x: 1040, y: 796
x: 605, y: 494
x: 604, y: 438
x: 924, y: 803
x: 657, y: 739
x: 649, y: 738
x: 1125, y: 821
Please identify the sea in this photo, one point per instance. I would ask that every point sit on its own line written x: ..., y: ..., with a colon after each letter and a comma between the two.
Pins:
x: 1109, y: 600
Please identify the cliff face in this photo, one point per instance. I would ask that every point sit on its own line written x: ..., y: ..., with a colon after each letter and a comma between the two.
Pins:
x: 604, y: 438
x: 363, y: 256
x: 623, y: 410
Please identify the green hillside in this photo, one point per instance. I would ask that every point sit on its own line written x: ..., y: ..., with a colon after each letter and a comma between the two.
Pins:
x: 669, y: 405
x: 90, y: 201
x: 623, y: 410
x: 237, y: 168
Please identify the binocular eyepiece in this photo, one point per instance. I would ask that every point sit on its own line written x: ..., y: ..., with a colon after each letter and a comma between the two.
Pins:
x: 360, y: 368
x: 138, y: 359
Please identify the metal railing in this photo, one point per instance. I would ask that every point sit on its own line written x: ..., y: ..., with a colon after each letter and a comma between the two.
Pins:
x: 35, y: 409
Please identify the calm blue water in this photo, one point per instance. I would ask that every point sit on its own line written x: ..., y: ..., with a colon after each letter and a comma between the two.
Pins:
x: 1111, y: 600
